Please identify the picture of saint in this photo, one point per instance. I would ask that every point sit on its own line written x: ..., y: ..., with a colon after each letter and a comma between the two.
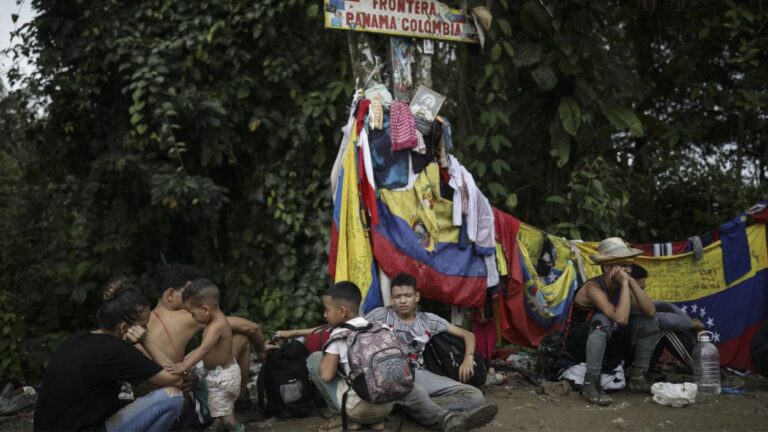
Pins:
x: 426, y: 103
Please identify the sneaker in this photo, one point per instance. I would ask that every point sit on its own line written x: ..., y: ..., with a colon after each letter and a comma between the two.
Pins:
x: 481, y: 415
x: 728, y: 379
x: 638, y: 382
x: 454, y: 421
x: 595, y: 395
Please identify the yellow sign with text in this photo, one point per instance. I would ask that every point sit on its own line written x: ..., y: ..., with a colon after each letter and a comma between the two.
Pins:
x: 414, y: 18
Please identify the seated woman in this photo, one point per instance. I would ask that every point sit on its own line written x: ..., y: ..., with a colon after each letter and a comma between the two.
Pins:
x: 81, y: 385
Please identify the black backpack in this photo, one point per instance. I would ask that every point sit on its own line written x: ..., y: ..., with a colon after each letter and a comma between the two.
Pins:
x: 284, y: 385
x: 444, y: 354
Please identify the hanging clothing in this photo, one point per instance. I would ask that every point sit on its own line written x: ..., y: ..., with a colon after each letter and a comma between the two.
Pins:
x: 390, y: 169
x: 379, y: 91
x: 403, y: 127
x: 464, y: 197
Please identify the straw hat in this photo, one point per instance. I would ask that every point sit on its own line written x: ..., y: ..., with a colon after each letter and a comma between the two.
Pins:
x: 614, y: 249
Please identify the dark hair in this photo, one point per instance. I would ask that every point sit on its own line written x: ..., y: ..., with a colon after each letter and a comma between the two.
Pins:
x: 638, y: 272
x: 346, y: 292
x: 174, y: 276
x: 201, y: 291
x: 122, y: 303
x: 404, y: 279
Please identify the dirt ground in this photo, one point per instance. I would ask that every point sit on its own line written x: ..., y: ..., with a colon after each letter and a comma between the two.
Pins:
x: 521, y: 408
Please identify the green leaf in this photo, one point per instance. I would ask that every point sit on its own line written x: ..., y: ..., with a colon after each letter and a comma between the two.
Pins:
x: 495, y: 52
x: 561, y: 143
x: 511, y: 200
x: 570, y: 115
x: 141, y: 129
x: 496, y: 189
x: 544, y: 77
x: 510, y: 50
x: 557, y: 199
x: 528, y: 54
x: 504, y: 26
x: 269, y: 307
x: 79, y: 294
x: 243, y: 92
x: 622, y: 118
x: 499, y: 166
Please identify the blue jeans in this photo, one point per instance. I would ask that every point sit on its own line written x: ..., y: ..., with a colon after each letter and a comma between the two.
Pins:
x: 154, y: 412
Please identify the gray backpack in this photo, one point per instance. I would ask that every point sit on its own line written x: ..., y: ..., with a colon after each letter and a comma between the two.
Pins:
x: 379, y: 370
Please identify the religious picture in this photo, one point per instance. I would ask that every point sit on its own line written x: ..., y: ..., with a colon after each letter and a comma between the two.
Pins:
x: 401, y: 54
x: 426, y: 103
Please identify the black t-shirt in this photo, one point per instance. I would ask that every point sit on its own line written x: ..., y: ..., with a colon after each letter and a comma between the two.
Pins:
x: 81, y: 385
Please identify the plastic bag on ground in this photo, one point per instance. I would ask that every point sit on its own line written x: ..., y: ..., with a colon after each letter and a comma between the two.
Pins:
x: 674, y: 395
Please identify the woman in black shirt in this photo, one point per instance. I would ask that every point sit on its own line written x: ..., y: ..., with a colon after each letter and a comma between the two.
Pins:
x: 81, y: 385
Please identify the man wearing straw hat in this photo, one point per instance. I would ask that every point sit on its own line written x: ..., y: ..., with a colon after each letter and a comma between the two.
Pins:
x: 610, y: 316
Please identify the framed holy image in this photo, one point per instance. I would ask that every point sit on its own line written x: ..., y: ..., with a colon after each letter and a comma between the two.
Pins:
x: 426, y: 102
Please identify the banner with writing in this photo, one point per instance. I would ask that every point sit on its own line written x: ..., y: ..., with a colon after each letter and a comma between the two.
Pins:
x: 415, y: 18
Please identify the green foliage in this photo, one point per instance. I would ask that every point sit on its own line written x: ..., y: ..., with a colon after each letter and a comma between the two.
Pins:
x: 13, y: 359
x: 661, y: 99
x: 594, y: 202
x: 162, y: 131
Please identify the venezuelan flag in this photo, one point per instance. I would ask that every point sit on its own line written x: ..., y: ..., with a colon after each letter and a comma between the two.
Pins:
x: 733, y: 312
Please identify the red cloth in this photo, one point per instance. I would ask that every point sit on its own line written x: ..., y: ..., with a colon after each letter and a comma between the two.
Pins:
x: 315, y: 341
x: 485, y: 337
x: 362, y: 110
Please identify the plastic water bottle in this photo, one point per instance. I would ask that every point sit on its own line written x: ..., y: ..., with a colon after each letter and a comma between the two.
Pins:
x: 706, y: 365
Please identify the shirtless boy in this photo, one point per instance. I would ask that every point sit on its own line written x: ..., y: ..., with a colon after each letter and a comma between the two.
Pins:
x: 201, y: 300
x: 171, y: 327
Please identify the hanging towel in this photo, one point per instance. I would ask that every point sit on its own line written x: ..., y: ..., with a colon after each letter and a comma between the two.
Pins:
x: 403, y: 127
x: 736, y: 259
x: 376, y: 114
x: 696, y: 247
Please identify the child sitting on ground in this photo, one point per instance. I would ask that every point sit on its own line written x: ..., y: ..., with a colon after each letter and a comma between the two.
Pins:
x: 201, y: 300
x: 341, y: 303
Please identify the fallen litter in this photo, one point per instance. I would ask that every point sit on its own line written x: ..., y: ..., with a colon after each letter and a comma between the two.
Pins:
x: 674, y: 395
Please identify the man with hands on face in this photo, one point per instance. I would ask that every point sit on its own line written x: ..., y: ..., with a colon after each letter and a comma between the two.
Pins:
x: 611, y: 316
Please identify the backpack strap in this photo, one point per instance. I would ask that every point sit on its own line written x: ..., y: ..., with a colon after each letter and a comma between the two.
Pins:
x: 389, y: 317
x: 356, y: 329
x: 343, y: 334
x: 260, y: 387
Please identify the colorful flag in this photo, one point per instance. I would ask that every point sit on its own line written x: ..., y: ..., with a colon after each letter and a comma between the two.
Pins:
x: 351, y: 257
x: 415, y: 235
x: 733, y: 312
